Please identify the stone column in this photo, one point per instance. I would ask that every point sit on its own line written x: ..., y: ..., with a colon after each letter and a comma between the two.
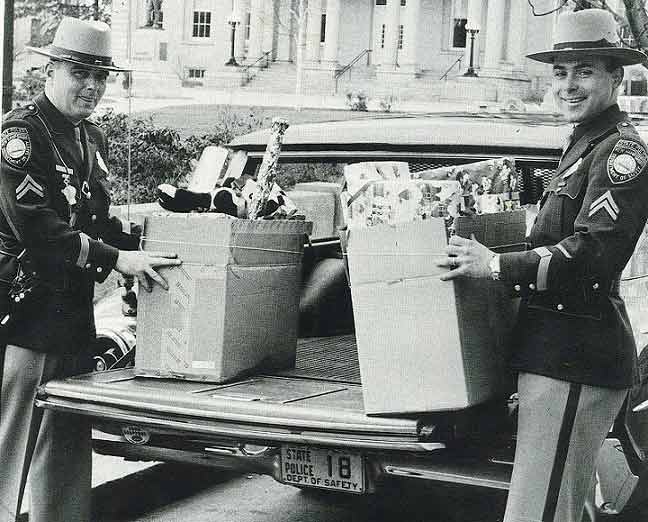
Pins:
x: 241, y: 8
x: 255, y: 44
x: 392, y: 31
x: 284, y: 28
x: 313, y: 29
x: 474, y: 20
x: 494, y: 37
x: 409, y: 60
x: 517, y: 36
x: 333, y: 11
x: 268, y: 25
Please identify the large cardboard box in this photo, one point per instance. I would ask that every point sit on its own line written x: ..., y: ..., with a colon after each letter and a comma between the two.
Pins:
x: 426, y: 344
x: 231, y: 307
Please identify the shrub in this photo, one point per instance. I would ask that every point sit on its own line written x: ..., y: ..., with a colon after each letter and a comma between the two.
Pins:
x: 30, y: 84
x: 357, y: 100
x: 158, y: 155
x: 386, y: 102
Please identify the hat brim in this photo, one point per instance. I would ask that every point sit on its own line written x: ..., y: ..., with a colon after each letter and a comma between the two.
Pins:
x: 46, y: 52
x: 622, y: 55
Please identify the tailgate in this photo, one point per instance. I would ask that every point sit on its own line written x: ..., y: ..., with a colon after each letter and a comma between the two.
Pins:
x: 317, y: 402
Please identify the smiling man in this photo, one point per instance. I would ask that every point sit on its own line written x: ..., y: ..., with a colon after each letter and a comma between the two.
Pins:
x: 56, y: 240
x: 574, y: 349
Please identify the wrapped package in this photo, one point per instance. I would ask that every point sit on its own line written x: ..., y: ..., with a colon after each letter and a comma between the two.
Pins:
x: 388, y: 193
x: 487, y: 186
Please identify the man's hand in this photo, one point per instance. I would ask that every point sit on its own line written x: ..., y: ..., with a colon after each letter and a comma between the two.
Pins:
x: 466, y: 258
x: 143, y: 264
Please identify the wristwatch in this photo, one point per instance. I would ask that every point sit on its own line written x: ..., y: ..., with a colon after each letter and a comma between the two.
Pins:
x: 494, y: 265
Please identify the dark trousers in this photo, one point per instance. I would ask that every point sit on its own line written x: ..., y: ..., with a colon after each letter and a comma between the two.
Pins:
x: 53, y: 448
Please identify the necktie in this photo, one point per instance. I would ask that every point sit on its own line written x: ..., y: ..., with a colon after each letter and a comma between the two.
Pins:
x: 77, y: 137
x: 568, y: 140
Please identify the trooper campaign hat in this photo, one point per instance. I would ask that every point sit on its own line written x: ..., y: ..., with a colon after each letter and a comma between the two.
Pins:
x: 589, y: 32
x: 82, y: 42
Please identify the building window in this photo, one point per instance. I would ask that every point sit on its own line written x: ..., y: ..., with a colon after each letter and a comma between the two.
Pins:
x: 458, y: 20
x: 381, y: 2
x: 323, y: 28
x: 196, y: 74
x: 162, y: 52
x: 403, y: 3
x: 382, y: 36
x: 248, y: 17
x: 400, y: 36
x: 201, y: 24
x: 459, y: 33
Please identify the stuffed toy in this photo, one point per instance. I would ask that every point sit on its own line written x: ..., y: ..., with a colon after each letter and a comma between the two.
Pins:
x: 229, y: 198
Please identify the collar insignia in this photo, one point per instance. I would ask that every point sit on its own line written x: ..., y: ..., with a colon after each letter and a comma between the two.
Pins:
x: 572, y: 169
x: 101, y: 163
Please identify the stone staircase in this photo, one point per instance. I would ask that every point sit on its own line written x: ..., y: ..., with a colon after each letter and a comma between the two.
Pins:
x: 280, y: 77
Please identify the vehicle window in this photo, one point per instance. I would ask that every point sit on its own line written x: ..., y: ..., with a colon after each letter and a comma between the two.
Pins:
x: 532, y: 179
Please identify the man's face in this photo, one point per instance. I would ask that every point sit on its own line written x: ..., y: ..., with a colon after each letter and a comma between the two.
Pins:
x: 583, y: 87
x: 75, y: 90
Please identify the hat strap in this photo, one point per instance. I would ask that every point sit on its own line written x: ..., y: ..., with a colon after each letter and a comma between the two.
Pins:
x: 89, y: 59
x: 603, y: 43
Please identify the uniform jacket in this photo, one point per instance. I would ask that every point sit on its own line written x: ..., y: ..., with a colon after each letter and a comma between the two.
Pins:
x: 573, y: 324
x: 54, y: 204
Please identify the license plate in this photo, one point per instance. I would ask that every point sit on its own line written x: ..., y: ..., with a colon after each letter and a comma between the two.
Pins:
x: 322, y: 468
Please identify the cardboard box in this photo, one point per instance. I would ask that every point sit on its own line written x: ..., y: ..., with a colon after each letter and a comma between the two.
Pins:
x: 231, y: 307
x: 426, y: 344
x: 319, y: 208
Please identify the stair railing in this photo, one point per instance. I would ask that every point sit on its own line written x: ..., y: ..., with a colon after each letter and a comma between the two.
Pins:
x: 444, y: 76
x: 348, y: 66
x: 262, y: 62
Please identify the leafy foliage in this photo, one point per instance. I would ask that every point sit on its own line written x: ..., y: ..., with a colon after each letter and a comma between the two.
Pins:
x: 158, y: 155
x: 50, y: 13
x: 357, y: 101
x: 31, y: 84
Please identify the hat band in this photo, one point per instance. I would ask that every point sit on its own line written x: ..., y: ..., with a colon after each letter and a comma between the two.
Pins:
x: 89, y: 59
x: 602, y: 44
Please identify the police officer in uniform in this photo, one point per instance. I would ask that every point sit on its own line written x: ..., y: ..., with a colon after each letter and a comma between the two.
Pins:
x: 54, y: 224
x: 574, y: 349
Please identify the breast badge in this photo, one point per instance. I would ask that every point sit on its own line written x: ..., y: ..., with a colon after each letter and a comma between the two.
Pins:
x: 626, y: 161
x: 16, y: 146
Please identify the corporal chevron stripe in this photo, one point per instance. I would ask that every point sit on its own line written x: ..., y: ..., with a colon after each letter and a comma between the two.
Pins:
x: 29, y: 184
x: 605, y: 202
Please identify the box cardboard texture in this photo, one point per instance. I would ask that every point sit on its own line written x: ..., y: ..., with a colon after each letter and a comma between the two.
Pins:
x: 426, y: 344
x: 231, y: 307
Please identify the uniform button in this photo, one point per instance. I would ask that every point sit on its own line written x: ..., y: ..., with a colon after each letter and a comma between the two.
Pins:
x: 517, y: 288
x: 94, y: 217
x: 88, y: 265
x: 531, y: 286
x: 99, y: 270
x: 560, y: 307
x: 595, y: 286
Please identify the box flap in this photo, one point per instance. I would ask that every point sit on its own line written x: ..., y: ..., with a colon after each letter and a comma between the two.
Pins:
x: 395, y: 252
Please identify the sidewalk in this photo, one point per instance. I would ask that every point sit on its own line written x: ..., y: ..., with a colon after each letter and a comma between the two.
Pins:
x: 115, y: 98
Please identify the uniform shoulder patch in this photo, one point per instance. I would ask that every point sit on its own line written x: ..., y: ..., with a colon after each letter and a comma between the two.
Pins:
x: 16, y: 146
x: 627, y: 160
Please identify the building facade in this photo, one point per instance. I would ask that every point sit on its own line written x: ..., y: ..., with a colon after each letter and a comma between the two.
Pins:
x: 412, y: 48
